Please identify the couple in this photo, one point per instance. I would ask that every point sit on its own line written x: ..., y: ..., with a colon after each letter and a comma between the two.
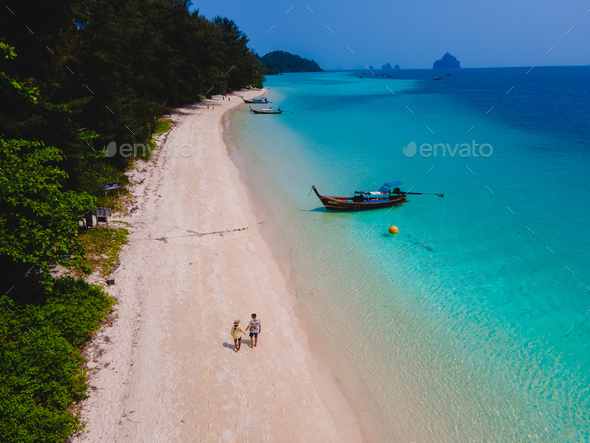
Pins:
x: 254, y: 327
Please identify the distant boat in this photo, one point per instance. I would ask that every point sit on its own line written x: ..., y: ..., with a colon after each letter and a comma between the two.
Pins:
x: 448, y: 75
x: 265, y: 111
x: 256, y: 101
x: 363, y: 200
x: 438, y: 78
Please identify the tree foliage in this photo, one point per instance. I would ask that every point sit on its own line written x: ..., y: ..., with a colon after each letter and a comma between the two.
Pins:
x: 40, y: 359
x: 114, y: 68
x: 38, y: 220
x: 282, y: 61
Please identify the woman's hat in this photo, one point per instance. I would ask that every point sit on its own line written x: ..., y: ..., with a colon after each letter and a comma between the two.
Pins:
x: 236, y: 322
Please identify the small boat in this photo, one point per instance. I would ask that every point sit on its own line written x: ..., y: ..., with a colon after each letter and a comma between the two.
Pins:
x: 256, y: 101
x: 448, y: 75
x: 265, y: 111
x: 438, y: 78
x: 363, y: 200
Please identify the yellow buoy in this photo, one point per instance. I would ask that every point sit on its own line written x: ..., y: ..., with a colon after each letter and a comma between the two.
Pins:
x: 393, y: 230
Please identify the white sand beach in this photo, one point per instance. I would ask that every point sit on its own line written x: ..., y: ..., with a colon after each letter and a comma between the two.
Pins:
x: 165, y: 368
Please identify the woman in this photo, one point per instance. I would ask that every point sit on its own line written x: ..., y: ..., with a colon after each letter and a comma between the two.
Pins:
x: 236, y: 333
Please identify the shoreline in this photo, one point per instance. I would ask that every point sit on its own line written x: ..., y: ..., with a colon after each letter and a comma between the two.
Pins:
x: 347, y: 388
x: 166, y: 368
x: 350, y: 428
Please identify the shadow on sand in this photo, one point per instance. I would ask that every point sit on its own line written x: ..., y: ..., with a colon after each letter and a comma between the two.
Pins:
x: 246, y: 343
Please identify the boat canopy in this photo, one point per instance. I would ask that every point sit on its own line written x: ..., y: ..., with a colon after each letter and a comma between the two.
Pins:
x: 386, y: 186
x: 372, y: 194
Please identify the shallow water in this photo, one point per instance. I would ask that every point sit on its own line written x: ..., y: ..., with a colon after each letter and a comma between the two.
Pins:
x: 459, y: 327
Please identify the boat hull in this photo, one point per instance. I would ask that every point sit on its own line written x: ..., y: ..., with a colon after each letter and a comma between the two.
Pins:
x: 333, y: 203
x: 255, y: 101
x: 264, y: 112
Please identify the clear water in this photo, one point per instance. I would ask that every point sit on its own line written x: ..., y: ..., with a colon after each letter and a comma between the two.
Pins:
x: 459, y: 327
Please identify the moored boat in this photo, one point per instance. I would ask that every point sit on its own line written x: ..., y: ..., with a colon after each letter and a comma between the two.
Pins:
x: 363, y: 200
x: 265, y: 111
x: 256, y: 101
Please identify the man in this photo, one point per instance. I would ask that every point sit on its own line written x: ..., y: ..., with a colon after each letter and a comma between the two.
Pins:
x: 255, y: 329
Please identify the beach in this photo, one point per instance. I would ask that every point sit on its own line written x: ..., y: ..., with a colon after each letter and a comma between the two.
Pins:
x: 163, y: 368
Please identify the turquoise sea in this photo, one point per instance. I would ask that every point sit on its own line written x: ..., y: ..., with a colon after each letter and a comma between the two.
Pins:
x: 471, y: 324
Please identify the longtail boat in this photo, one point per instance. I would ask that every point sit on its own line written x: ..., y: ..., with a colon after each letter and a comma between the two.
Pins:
x: 265, y: 111
x: 363, y: 200
x: 256, y: 101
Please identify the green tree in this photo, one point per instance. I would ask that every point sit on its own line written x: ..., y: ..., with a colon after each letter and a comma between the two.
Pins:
x: 40, y: 360
x: 241, y: 64
x: 31, y: 94
x: 38, y: 220
x: 281, y: 61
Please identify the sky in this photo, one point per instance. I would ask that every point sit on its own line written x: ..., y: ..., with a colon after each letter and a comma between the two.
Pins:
x: 413, y: 34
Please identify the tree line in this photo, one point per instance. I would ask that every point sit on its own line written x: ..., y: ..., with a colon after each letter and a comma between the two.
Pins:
x: 76, y: 75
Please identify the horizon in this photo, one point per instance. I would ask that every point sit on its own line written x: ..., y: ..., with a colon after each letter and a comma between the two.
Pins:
x: 502, y: 35
x: 462, y: 68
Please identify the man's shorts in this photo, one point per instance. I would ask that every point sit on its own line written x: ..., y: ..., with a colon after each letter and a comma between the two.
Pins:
x: 254, y: 334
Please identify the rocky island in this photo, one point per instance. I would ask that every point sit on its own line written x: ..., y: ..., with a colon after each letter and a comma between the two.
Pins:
x: 388, y: 67
x: 447, y: 62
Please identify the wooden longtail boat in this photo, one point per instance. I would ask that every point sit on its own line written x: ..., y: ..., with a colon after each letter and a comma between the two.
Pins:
x: 265, y: 111
x: 363, y: 200
x: 256, y: 101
